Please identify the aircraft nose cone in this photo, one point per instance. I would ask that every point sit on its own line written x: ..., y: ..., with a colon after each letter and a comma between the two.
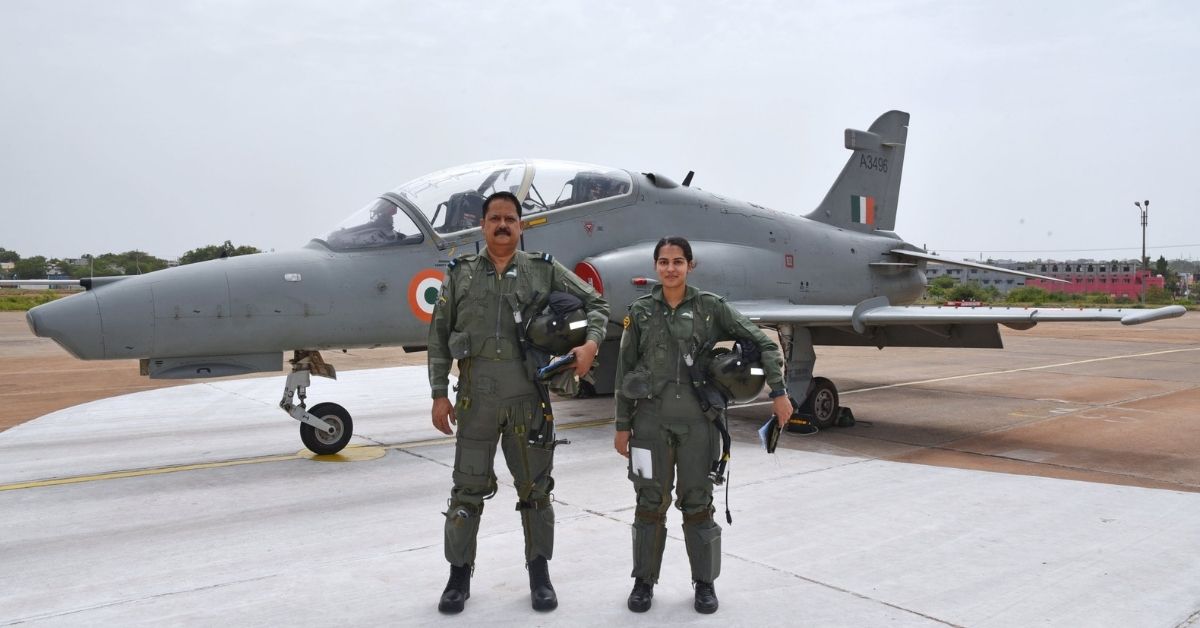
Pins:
x: 73, y: 322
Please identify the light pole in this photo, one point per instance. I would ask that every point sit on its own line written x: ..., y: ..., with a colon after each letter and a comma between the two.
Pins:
x: 1144, y: 209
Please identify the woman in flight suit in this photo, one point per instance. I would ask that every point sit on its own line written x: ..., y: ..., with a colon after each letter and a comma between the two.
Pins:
x: 660, y: 425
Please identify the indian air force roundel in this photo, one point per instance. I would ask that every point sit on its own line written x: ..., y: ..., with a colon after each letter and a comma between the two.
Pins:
x: 423, y: 292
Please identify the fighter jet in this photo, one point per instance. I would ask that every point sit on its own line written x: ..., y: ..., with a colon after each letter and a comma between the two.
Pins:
x: 838, y: 275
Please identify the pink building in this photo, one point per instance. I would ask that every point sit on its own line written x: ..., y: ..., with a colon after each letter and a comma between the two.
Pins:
x: 1123, y: 279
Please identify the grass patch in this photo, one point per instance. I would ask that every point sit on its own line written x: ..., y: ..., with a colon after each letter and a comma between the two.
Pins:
x: 23, y: 301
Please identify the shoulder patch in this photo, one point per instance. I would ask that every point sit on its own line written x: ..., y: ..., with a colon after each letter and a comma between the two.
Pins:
x: 627, y: 321
x: 641, y: 306
x: 640, y: 303
x: 464, y: 259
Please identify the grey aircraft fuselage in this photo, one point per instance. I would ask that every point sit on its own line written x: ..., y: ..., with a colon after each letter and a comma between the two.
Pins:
x: 347, y: 299
x: 319, y: 298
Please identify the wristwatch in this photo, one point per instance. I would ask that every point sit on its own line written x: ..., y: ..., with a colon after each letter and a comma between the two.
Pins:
x: 778, y: 393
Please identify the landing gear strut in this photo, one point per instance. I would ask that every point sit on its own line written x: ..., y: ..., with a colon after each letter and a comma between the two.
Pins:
x: 819, y: 408
x: 327, y: 428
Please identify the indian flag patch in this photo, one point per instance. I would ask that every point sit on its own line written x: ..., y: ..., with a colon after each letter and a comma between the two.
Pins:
x: 862, y: 210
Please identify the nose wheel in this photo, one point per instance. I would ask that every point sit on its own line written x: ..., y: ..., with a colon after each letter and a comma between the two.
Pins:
x: 324, y: 442
x: 326, y: 428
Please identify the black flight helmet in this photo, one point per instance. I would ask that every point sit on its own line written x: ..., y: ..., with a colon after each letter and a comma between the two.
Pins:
x: 737, y: 377
x: 562, y: 326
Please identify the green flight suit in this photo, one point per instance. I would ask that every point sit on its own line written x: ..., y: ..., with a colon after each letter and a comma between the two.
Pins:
x: 677, y: 441
x: 473, y: 323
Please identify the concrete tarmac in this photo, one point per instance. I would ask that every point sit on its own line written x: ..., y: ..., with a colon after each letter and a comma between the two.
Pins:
x: 1051, y: 483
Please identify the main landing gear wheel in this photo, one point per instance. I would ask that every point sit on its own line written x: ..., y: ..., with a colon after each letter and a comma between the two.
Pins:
x: 821, y: 403
x: 321, y: 443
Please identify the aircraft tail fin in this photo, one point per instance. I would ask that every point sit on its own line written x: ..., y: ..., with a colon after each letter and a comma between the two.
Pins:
x: 864, y: 196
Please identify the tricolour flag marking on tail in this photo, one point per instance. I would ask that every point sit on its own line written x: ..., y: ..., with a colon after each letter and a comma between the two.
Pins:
x: 862, y: 210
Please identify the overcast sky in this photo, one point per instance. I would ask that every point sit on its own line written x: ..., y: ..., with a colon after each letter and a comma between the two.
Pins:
x: 166, y: 125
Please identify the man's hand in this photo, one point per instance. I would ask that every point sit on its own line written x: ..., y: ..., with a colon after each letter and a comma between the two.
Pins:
x: 585, y: 354
x: 621, y: 443
x: 782, y: 406
x: 443, y: 415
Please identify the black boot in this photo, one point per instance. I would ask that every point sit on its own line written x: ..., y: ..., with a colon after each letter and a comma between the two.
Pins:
x: 541, y: 592
x: 640, y: 597
x: 706, y: 598
x: 458, y: 589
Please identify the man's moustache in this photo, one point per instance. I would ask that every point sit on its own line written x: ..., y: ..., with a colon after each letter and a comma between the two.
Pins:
x: 503, y: 232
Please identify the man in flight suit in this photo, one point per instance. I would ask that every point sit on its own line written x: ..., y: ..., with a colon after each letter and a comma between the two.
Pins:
x: 474, y: 323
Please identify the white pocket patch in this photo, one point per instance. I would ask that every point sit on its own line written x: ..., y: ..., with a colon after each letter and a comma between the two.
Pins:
x: 642, y: 462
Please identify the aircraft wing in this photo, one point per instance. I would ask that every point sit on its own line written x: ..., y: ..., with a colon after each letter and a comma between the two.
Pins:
x: 877, y: 312
x: 17, y: 283
x: 87, y: 282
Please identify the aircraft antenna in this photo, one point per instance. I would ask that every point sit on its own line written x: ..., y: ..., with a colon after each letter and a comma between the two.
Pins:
x: 687, y: 181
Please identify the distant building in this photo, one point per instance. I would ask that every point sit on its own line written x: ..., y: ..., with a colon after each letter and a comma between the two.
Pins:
x: 985, y: 278
x: 1123, y: 279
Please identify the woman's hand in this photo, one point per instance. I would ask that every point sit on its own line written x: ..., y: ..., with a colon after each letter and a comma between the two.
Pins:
x: 782, y: 406
x: 621, y: 443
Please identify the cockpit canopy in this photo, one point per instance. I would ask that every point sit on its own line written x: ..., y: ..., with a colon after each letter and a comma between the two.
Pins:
x: 451, y: 200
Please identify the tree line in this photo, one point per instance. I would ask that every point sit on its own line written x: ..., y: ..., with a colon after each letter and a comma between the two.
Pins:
x: 128, y: 263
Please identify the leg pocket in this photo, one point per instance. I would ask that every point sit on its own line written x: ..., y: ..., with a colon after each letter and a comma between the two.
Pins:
x: 474, y: 480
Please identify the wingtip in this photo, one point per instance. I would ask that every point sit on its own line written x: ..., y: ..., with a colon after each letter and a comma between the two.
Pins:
x: 1138, y: 317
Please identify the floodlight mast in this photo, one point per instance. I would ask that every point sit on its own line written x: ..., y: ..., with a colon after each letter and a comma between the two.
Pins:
x: 1145, y: 210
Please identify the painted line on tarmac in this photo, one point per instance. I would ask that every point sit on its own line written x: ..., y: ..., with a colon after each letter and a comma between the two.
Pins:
x: 985, y: 374
x: 1027, y: 368
x: 302, y: 455
x: 116, y: 475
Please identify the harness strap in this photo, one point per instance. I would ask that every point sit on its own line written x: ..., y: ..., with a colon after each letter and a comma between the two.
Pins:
x: 534, y: 504
x: 697, y: 517
x: 649, y: 516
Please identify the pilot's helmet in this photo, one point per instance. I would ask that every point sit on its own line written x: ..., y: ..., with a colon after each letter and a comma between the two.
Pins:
x: 597, y: 187
x: 736, y: 377
x: 383, y: 210
x: 561, y: 326
x: 558, y: 334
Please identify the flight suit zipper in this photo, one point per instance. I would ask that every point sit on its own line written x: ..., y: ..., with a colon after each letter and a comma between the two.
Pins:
x: 678, y: 355
x: 670, y: 320
x: 499, y: 309
x: 499, y: 305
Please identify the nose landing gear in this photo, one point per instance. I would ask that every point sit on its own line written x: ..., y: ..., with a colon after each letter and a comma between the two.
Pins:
x: 327, y: 428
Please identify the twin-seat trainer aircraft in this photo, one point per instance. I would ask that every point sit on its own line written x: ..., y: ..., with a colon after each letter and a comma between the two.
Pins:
x: 836, y: 276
